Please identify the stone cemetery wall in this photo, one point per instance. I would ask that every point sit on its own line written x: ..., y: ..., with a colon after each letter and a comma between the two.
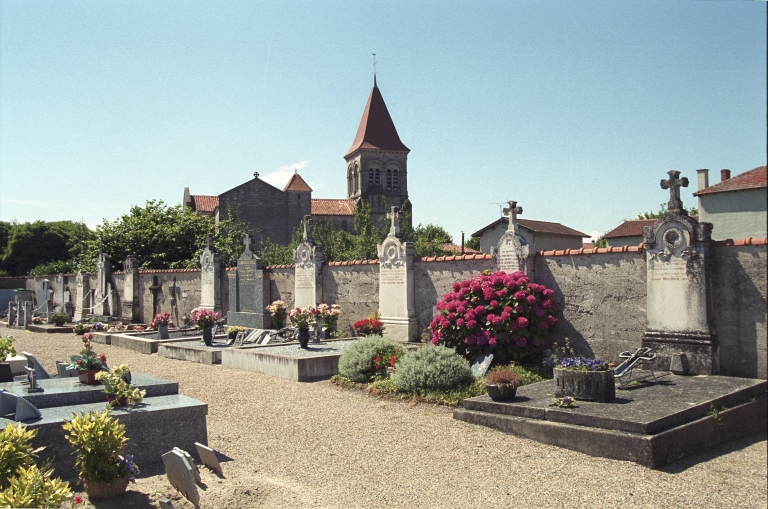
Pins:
x: 355, y: 287
x: 281, y: 283
x: 739, y: 307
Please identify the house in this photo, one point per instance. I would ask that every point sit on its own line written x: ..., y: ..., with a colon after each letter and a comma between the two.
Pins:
x: 628, y: 233
x: 736, y: 206
x: 542, y: 234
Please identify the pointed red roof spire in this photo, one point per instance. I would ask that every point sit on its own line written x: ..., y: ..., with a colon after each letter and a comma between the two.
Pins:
x: 296, y: 183
x: 377, y: 131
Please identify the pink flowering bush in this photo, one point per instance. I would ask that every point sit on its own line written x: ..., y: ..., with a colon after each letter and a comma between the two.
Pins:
x: 503, y: 314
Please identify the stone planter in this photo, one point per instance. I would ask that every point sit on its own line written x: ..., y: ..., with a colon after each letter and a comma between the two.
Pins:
x: 88, y: 377
x: 598, y: 386
x: 97, y: 489
x: 501, y: 392
x: 162, y: 331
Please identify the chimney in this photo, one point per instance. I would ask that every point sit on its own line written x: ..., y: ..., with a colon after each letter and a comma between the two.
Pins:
x: 703, y: 179
x: 725, y: 175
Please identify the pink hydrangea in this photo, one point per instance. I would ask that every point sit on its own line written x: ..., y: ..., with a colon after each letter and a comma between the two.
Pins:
x: 521, y: 342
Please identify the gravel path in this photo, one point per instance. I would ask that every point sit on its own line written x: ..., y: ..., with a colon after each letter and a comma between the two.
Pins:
x: 315, y: 445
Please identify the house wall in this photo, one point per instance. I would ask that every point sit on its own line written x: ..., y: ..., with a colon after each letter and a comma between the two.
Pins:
x: 541, y: 241
x: 735, y: 214
x: 625, y: 241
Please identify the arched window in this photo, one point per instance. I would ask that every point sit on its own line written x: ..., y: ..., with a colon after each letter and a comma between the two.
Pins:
x: 394, y: 181
x: 378, y: 178
x: 389, y: 180
x: 370, y: 177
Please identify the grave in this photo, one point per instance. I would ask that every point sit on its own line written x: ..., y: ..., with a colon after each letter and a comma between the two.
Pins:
x: 248, y: 291
x: 513, y: 253
x: 131, y: 307
x: 145, y: 342
x: 679, y: 314
x: 397, y: 308
x: 308, y: 258
x: 104, y: 287
x: 192, y: 351
x: 181, y: 475
x: 652, y: 424
x: 164, y: 419
x: 83, y: 306
x: 210, y: 274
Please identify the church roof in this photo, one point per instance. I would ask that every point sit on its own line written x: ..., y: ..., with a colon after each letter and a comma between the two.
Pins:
x: 376, y: 130
x: 332, y: 207
x: 752, y: 179
x: 202, y: 203
x: 296, y: 183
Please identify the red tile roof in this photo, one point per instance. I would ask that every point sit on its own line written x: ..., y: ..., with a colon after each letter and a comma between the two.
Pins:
x: 204, y: 203
x: 535, y: 226
x: 325, y: 207
x: 752, y: 179
x: 455, y: 248
x: 296, y: 183
x: 376, y: 130
x: 632, y: 228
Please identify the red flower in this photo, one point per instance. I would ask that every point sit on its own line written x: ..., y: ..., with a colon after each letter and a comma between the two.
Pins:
x: 392, y: 361
x: 103, y: 358
x: 78, y: 499
x: 79, y: 362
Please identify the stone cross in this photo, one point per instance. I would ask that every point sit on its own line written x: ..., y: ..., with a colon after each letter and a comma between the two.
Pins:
x: 673, y: 184
x: 307, y: 227
x: 394, y: 216
x: 512, y: 211
x: 247, y: 243
x: 209, y: 242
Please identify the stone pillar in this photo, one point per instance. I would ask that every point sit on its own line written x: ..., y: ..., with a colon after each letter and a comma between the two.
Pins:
x: 12, y: 313
x: 397, y: 308
x: 513, y: 253
x: 248, y: 291
x: 83, y: 303
x: 308, y: 256
x: 25, y: 314
x: 130, y: 303
x: 101, y: 307
x: 44, y: 299
x: 678, y: 293
x: 58, y: 293
x: 210, y: 278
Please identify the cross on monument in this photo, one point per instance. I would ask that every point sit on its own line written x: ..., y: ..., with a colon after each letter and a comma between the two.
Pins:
x: 394, y: 217
x: 673, y: 184
x: 209, y: 242
x: 307, y: 227
x: 512, y: 211
x: 247, y: 242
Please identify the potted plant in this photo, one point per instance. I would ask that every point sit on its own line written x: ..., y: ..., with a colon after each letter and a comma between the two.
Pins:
x: 585, y: 379
x: 278, y: 311
x: 232, y: 331
x: 205, y: 319
x: 501, y: 383
x: 81, y: 328
x: 59, y: 319
x: 37, y: 320
x: 98, y: 440
x: 161, y: 323
x: 303, y: 319
x: 369, y: 326
x: 118, y: 388
x: 88, y: 363
x: 6, y: 349
x: 330, y: 318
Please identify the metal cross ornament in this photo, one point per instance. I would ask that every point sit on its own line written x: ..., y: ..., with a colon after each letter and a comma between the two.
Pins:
x: 512, y: 211
x: 673, y: 184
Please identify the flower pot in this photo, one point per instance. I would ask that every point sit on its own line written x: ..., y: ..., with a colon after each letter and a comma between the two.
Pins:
x: 303, y: 337
x: 98, y: 489
x: 60, y: 323
x: 501, y: 392
x: 88, y: 377
x: 599, y: 386
x: 162, y: 331
x: 207, y: 336
x: 120, y: 402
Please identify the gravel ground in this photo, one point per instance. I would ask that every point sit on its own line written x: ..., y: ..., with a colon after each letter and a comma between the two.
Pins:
x: 314, y: 445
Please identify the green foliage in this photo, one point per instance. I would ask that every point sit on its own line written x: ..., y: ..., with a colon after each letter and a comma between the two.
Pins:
x: 342, y: 381
x: 6, y: 347
x: 61, y: 318
x: 358, y: 363
x: 431, y: 367
x: 429, y: 240
x: 16, y: 451
x: 97, y: 440
x: 692, y: 211
x: 600, y: 242
x: 528, y: 375
x: 275, y: 254
x: 473, y: 243
x: 30, y: 245
x: 33, y: 487
x: 57, y: 267
x: 368, y: 234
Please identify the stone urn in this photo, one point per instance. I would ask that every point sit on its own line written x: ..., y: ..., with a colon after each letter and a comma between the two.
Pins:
x: 98, y: 489
x: 501, y: 392
x: 598, y: 386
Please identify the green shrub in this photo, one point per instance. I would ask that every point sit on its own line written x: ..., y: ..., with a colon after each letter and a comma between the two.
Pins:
x: 32, y: 487
x: 15, y: 451
x: 359, y: 362
x: 98, y: 439
x: 529, y: 375
x: 431, y: 367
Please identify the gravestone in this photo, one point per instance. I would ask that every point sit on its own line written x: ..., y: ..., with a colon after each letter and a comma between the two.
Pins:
x: 513, y: 253
x: 82, y: 309
x: 25, y: 314
x: 397, y: 309
x: 58, y: 293
x: 308, y: 257
x: 101, y: 306
x: 480, y: 364
x: 130, y: 305
x: 12, y: 313
x: 210, y: 279
x: 248, y: 291
x: 180, y: 475
x: 208, y: 458
x: 678, y: 304
x: 44, y: 298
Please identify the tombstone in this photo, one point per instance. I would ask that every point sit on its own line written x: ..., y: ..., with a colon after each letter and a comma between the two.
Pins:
x: 83, y: 307
x: 194, y: 470
x: 513, y: 253
x: 308, y: 257
x: 208, y: 458
x: 248, y: 291
x: 12, y: 313
x: 180, y: 475
x: 480, y: 364
x: 165, y: 503
x: 44, y: 298
x: 101, y: 307
x: 25, y: 314
x: 678, y: 293
x: 210, y: 274
x: 131, y: 309
x: 58, y: 293
x: 397, y: 309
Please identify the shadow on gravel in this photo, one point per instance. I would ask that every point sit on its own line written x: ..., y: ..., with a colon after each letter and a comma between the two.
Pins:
x: 686, y: 463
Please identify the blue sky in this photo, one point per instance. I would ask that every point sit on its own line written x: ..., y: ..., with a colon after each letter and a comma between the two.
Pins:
x: 575, y: 109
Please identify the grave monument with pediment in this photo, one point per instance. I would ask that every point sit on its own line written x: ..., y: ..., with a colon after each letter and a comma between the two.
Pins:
x: 104, y: 286
x: 397, y: 309
x: 248, y: 291
x: 677, y: 250
x: 210, y: 274
x: 513, y: 253
x: 83, y: 307
x: 308, y: 257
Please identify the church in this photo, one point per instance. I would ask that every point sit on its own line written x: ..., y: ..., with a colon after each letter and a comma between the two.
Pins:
x: 377, y: 172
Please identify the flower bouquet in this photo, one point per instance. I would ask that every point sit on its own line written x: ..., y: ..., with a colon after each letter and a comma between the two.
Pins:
x: 118, y: 388
x: 330, y: 316
x: 369, y: 327
x: 88, y: 363
x: 162, y: 319
x: 278, y: 311
x: 204, y: 318
x: 303, y: 318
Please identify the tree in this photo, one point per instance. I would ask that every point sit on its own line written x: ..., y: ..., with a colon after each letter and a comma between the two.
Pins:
x: 692, y: 211
x: 30, y: 245
x: 429, y: 240
x: 473, y: 243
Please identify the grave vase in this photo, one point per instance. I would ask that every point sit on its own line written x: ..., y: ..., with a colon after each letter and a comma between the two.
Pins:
x: 501, y: 392
x: 98, y: 489
x: 162, y: 330
x: 207, y: 336
x: 88, y: 377
x: 599, y: 386
x: 303, y: 337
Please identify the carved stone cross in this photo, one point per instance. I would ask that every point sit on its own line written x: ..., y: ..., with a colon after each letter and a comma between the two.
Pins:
x: 394, y: 217
x: 307, y: 223
x: 247, y: 242
x: 673, y: 184
x: 209, y: 242
x: 512, y: 211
